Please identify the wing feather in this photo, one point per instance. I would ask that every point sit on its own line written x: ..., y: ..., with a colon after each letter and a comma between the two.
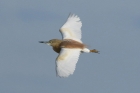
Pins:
x: 66, y: 62
x: 72, y: 28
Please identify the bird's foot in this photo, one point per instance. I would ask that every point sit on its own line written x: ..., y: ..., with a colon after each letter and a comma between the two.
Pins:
x: 94, y: 51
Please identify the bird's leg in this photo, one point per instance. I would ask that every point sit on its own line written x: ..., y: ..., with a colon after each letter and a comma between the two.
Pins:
x: 94, y: 51
x: 86, y: 50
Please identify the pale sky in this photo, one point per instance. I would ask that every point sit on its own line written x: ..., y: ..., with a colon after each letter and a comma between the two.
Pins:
x: 110, y: 26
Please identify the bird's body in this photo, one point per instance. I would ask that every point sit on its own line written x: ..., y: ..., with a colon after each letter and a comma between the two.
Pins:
x: 70, y: 47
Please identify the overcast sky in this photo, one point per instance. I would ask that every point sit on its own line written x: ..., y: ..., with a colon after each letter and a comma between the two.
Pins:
x: 110, y: 26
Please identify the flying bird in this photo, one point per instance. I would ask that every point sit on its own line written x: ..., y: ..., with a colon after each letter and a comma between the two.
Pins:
x: 69, y: 47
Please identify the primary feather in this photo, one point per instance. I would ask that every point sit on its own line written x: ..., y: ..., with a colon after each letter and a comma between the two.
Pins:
x: 72, y: 28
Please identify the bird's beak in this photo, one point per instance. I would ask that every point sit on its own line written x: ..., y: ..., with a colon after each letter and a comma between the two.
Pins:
x: 45, y: 42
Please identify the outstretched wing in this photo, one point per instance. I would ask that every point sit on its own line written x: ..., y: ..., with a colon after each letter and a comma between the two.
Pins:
x: 66, y: 61
x: 72, y: 28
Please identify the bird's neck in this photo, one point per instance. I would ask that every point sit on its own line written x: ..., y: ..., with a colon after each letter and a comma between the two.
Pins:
x: 57, y: 47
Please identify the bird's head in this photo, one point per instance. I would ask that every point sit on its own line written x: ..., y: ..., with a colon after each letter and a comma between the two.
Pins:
x: 52, y: 42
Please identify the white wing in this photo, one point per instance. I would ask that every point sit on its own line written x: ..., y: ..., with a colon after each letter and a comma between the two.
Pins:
x: 72, y: 28
x: 66, y: 62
